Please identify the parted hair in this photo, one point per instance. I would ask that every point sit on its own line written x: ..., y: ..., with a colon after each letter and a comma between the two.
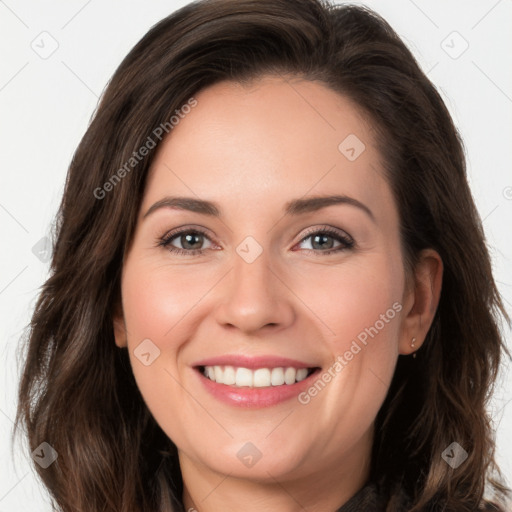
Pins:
x: 77, y: 390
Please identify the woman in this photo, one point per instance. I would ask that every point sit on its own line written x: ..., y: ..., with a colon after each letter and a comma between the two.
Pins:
x: 270, y: 288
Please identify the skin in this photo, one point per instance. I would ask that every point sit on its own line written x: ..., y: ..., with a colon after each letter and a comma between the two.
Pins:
x: 251, y: 149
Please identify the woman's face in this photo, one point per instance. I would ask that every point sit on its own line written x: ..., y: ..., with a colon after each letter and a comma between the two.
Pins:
x: 267, y: 249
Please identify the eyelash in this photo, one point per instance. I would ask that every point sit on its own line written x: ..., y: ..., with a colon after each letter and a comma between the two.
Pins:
x: 346, y: 241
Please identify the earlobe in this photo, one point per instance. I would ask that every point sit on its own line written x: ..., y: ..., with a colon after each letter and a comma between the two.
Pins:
x: 424, y: 299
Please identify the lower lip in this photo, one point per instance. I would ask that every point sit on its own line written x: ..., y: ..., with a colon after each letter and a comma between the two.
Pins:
x: 255, y: 397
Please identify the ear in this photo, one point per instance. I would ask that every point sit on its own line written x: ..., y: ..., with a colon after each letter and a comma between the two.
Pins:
x: 120, y: 335
x: 421, y: 301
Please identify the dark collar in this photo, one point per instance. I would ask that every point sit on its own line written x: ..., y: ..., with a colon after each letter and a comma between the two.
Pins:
x: 368, y: 499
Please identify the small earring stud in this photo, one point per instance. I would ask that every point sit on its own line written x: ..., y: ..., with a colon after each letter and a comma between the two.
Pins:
x: 413, y: 341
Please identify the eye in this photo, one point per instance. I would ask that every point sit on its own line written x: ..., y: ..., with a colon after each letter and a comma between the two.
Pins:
x: 190, y: 240
x: 324, y: 240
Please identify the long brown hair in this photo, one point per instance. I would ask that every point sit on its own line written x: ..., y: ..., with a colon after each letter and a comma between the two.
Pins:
x: 78, y: 392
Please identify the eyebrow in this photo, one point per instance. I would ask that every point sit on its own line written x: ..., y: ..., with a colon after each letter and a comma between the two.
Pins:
x: 294, y: 207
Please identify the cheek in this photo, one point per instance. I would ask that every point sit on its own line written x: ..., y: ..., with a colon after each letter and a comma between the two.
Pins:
x: 156, y: 301
x: 157, y: 298
x: 360, y: 302
x: 361, y: 308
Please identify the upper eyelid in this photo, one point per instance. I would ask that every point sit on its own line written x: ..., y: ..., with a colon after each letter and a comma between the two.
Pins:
x: 186, y: 229
x: 326, y: 229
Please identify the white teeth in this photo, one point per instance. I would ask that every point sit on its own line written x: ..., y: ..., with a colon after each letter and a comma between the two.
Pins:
x: 243, y: 377
x: 277, y: 377
x: 259, y: 378
x: 289, y: 375
x: 302, y: 373
x: 229, y: 376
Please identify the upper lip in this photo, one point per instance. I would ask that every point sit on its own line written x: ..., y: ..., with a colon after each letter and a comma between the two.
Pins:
x: 253, y: 362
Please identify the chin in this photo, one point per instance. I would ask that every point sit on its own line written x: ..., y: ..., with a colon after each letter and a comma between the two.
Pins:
x: 262, y: 462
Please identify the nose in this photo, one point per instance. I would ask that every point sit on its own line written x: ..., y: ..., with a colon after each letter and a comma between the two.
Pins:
x: 254, y: 297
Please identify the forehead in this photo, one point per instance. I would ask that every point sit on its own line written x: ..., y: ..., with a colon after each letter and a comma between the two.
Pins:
x: 269, y: 141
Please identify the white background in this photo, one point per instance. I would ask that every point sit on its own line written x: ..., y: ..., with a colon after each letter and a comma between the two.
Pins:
x: 46, y: 104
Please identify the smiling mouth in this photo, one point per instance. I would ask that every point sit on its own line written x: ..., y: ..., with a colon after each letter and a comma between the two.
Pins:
x: 255, y: 378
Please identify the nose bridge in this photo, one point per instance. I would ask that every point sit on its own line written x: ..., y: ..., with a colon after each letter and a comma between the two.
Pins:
x: 254, y: 296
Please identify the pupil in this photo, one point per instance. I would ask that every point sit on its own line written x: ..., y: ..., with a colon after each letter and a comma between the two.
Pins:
x: 188, y: 238
x: 323, y: 244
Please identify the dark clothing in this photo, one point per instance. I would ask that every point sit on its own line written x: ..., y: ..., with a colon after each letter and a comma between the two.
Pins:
x: 371, y: 499
x: 366, y: 499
